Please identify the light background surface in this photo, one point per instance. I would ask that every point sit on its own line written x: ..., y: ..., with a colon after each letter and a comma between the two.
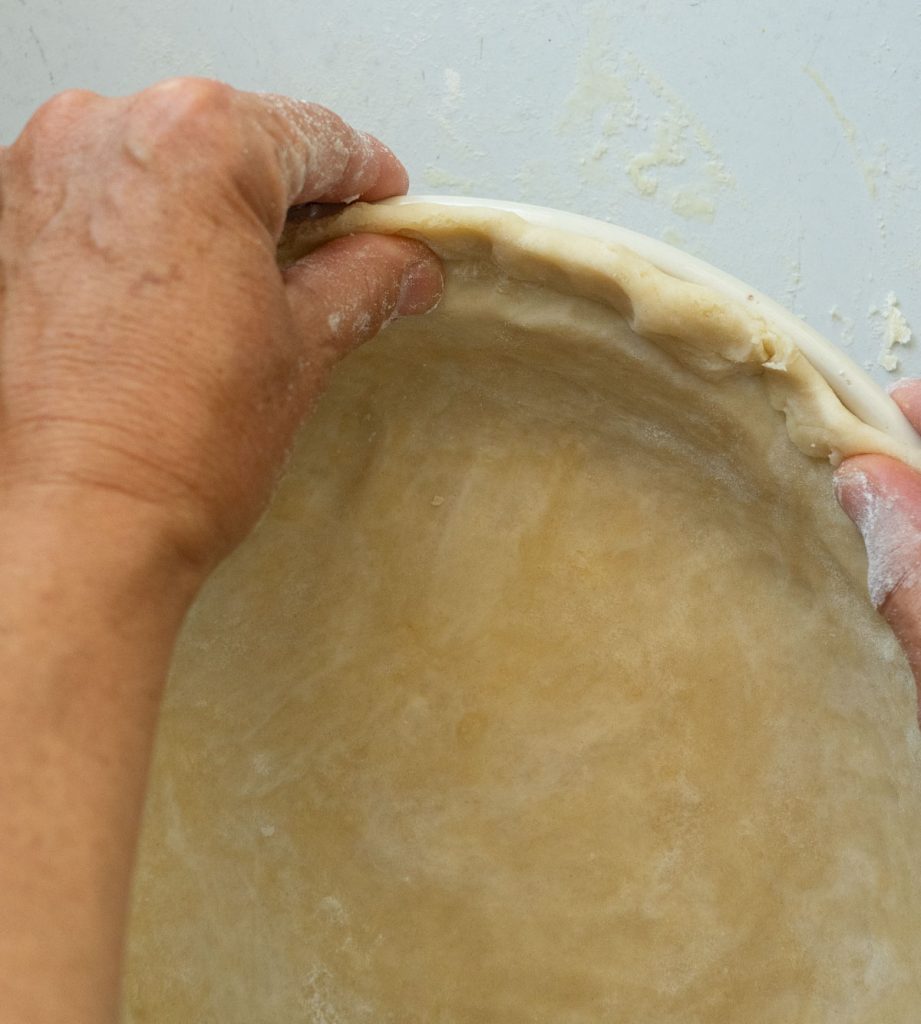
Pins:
x: 779, y: 141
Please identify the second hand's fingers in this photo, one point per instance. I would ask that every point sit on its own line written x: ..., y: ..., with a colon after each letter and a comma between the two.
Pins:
x: 883, y: 498
x: 907, y: 396
x: 323, y: 159
x: 344, y: 292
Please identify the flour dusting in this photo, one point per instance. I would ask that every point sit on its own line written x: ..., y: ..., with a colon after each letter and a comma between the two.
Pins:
x: 633, y: 125
x: 317, y: 147
x: 870, y: 169
x: 845, y: 323
x: 892, y: 539
x: 893, y: 330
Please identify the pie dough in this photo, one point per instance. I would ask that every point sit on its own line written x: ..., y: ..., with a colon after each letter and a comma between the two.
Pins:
x: 548, y: 689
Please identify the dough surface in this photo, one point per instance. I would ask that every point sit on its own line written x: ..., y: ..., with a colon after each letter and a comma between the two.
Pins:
x: 547, y: 690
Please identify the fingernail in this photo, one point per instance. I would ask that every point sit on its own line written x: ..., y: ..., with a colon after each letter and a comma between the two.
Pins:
x: 890, y: 535
x: 421, y: 288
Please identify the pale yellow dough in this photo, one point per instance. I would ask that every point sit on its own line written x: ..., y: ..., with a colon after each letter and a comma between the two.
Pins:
x: 548, y: 690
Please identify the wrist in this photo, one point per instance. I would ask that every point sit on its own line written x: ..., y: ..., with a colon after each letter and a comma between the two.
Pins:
x: 97, y: 551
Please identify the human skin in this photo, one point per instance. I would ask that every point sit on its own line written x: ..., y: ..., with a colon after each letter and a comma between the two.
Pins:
x: 154, y: 365
x: 883, y: 498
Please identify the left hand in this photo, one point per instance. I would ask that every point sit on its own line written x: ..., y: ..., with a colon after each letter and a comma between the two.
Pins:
x: 151, y: 353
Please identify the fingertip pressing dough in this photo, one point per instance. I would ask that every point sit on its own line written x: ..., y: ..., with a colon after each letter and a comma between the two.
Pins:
x: 548, y: 689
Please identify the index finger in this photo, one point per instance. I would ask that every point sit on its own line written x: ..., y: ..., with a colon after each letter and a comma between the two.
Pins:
x: 321, y: 157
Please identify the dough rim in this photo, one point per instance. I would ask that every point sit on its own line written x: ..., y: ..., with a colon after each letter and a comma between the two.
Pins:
x: 712, y: 334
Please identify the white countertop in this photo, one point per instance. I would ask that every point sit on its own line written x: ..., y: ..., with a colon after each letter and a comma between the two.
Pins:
x: 781, y: 142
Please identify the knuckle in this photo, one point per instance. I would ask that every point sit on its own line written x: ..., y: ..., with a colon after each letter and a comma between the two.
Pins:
x: 182, y: 112
x: 190, y: 96
x: 54, y: 137
x: 61, y: 111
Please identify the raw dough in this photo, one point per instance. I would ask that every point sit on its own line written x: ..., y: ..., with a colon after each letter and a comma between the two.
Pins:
x: 547, y: 690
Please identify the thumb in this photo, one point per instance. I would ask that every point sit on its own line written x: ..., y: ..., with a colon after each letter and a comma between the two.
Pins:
x: 883, y: 498
x: 343, y: 293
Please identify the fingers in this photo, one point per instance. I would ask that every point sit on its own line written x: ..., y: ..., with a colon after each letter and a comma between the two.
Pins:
x: 344, y: 292
x: 322, y: 159
x: 883, y: 498
x: 907, y: 396
x: 279, y: 151
x: 275, y: 151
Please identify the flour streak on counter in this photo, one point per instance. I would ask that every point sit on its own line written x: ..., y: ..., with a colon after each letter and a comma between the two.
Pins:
x: 448, y: 113
x: 634, y: 129
x: 887, y: 326
x: 870, y: 169
x: 892, y: 329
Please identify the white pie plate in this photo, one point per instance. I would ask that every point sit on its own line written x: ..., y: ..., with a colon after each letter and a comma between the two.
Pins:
x: 856, y: 389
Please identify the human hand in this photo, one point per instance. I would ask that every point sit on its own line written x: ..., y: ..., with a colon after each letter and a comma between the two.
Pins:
x: 152, y: 354
x: 154, y: 365
x: 883, y: 498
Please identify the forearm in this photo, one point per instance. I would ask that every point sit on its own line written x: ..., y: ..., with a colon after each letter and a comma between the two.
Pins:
x: 90, y: 604
x: 154, y: 365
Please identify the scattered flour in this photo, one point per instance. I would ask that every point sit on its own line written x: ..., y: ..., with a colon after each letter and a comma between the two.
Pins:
x: 458, y: 128
x: 796, y: 276
x: 313, y: 137
x: 893, y: 330
x: 453, y: 92
x: 635, y: 127
x: 692, y: 205
x: 844, y: 323
x: 870, y: 169
x: 437, y: 177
